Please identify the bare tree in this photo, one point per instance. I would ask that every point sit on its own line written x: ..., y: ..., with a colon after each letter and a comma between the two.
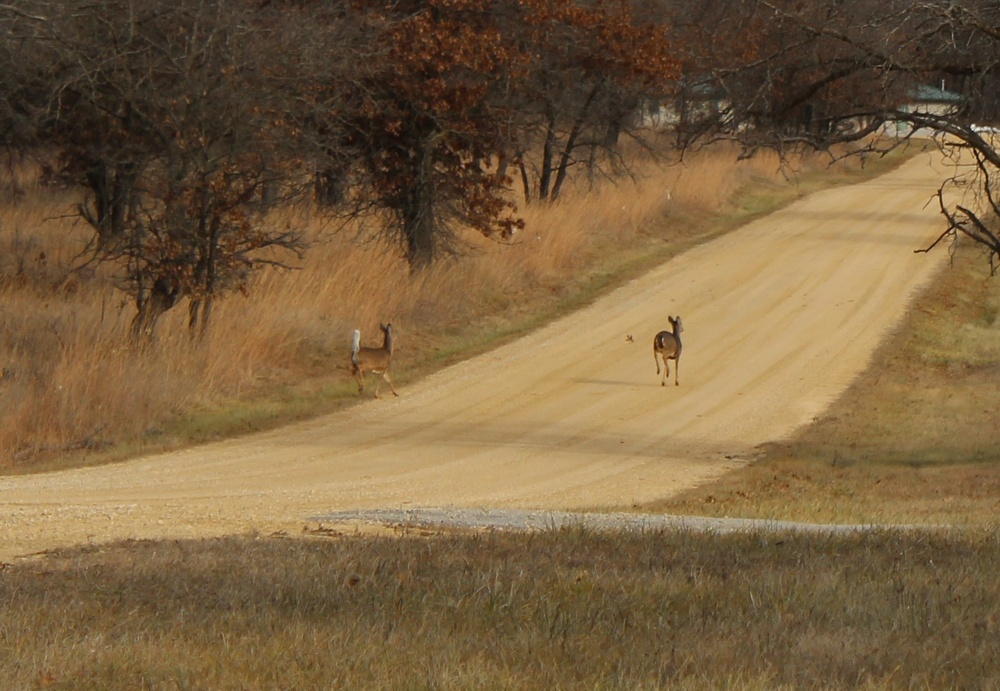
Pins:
x: 814, y: 74
x: 591, y: 67
x: 164, y: 111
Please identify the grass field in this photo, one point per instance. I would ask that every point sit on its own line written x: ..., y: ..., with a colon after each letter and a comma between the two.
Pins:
x: 914, y: 440
x: 564, y: 609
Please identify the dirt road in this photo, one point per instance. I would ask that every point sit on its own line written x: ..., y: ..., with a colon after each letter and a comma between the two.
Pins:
x: 778, y: 318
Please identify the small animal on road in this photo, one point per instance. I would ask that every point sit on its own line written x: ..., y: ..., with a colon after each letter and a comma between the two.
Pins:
x: 374, y: 360
x: 667, y: 346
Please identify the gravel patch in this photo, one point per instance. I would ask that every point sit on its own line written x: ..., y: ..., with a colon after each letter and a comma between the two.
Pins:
x: 528, y: 520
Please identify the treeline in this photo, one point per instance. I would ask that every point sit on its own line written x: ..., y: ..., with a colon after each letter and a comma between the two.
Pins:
x: 183, y: 122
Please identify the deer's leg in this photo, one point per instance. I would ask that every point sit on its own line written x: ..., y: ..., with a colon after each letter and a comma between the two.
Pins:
x: 677, y: 371
x: 359, y: 377
x: 385, y: 375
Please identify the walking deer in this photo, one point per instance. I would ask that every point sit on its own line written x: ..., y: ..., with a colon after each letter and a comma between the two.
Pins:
x: 667, y: 345
x: 374, y: 360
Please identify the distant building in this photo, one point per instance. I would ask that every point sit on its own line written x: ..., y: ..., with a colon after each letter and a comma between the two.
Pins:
x: 931, y: 100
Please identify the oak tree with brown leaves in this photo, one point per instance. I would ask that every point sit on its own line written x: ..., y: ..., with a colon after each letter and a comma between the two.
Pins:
x: 430, y: 122
x: 471, y: 87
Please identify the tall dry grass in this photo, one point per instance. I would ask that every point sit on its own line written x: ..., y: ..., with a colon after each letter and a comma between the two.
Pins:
x: 71, y: 382
x: 568, y: 609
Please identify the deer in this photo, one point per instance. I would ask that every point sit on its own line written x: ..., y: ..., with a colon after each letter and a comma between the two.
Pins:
x: 374, y: 360
x: 667, y: 345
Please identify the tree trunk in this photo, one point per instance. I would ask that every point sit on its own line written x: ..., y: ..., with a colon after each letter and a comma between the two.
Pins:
x: 420, y: 226
x: 329, y: 188
x: 567, y: 152
x: 200, y: 309
x: 548, y: 155
x: 199, y: 314
x: 525, y: 183
x: 161, y: 297
x: 113, y: 186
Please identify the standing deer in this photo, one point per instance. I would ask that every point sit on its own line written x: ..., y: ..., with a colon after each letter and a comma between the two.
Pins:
x: 374, y: 360
x: 668, y: 346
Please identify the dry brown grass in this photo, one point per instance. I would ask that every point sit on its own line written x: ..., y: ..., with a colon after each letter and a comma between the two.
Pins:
x: 557, y: 610
x: 916, y: 438
x: 73, y: 388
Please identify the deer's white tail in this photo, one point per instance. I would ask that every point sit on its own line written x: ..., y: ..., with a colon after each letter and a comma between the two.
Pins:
x: 355, y: 347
